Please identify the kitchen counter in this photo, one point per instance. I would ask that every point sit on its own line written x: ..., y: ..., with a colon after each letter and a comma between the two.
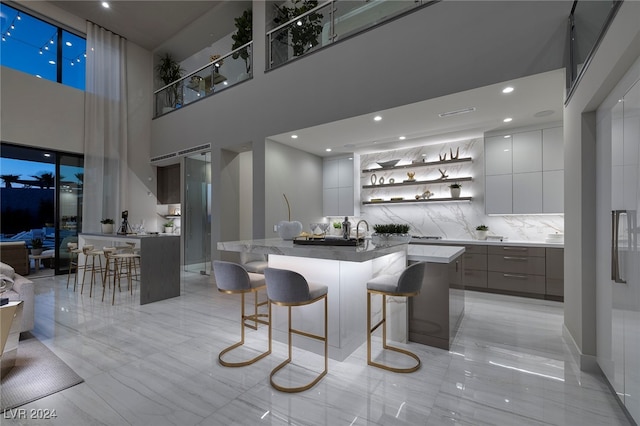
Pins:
x: 433, y: 253
x: 507, y: 243
x: 362, y: 253
x: 159, y: 261
x: 345, y: 270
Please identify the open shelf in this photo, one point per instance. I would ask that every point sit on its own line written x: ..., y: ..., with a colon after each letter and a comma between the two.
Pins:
x: 418, y: 182
x: 430, y: 200
x: 419, y: 164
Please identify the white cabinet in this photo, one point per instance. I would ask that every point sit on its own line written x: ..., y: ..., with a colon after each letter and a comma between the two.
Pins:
x: 498, y: 194
x: 498, y: 155
x: 527, y: 152
x: 534, y: 162
x: 527, y: 193
x: 339, y: 193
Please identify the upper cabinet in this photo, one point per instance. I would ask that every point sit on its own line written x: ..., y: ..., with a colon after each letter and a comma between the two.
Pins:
x: 339, y: 193
x: 524, y: 172
x: 169, y: 184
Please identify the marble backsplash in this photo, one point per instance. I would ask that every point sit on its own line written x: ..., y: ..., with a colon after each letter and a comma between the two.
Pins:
x: 450, y: 220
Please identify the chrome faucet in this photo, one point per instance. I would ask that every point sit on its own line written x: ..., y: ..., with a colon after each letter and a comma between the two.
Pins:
x: 358, y: 228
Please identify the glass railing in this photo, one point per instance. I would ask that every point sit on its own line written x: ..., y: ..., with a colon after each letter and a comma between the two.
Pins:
x: 221, y: 73
x: 588, y: 21
x: 304, y: 31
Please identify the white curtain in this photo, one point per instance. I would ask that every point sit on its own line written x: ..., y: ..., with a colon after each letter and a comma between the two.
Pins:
x: 105, y: 136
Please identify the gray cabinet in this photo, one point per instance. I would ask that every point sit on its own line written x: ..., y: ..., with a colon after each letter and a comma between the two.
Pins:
x: 516, y: 269
x: 555, y: 272
x: 169, y: 184
x: 524, y: 172
x: 339, y: 192
x: 475, y: 267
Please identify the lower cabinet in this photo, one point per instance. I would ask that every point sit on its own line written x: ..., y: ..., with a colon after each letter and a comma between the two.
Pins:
x: 555, y: 272
x: 475, y: 267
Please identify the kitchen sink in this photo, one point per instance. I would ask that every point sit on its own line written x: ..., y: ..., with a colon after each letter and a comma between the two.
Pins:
x: 329, y: 242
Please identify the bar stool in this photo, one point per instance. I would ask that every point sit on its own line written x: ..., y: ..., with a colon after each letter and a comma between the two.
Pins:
x: 122, y: 265
x: 289, y: 288
x: 90, y: 253
x: 74, y: 251
x: 232, y: 278
x: 135, y: 261
x: 254, y: 262
x: 407, y: 284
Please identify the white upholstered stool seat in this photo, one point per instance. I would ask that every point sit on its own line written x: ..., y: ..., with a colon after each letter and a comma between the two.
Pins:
x: 232, y: 278
x: 289, y: 288
x: 407, y: 284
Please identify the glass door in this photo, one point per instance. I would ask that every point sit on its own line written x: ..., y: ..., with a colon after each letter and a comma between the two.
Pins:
x: 69, y: 185
x: 196, y: 216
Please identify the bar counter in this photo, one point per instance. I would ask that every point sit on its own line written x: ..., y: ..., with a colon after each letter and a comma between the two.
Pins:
x: 159, y: 261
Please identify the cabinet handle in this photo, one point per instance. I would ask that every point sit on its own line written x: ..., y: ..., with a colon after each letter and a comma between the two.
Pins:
x: 520, y: 277
x: 515, y: 248
x: 518, y: 259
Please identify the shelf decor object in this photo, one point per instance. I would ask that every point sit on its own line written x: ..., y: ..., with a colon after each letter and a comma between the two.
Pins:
x: 288, y: 229
x: 387, y: 164
x: 454, y: 157
x: 374, y: 179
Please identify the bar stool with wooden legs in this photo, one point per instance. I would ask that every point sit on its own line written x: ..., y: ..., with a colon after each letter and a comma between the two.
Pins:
x: 232, y: 278
x: 135, y: 260
x: 74, y: 251
x: 407, y: 284
x: 89, y: 253
x: 289, y: 288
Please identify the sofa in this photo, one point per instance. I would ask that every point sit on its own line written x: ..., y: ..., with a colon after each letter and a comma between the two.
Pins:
x: 17, y: 288
x: 16, y: 254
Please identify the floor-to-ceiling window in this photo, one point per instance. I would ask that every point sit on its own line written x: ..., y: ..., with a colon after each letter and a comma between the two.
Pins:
x: 41, y: 197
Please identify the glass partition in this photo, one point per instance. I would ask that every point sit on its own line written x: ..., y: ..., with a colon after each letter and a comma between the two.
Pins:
x: 589, y: 21
x: 219, y: 74
x: 196, y: 216
x: 307, y: 25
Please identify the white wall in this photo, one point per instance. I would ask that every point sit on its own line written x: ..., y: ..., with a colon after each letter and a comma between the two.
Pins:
x: 618, y: 50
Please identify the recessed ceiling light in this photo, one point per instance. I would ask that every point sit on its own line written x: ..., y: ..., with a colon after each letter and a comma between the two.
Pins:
x: 52, y: 62
x: 328, y: 149
x: 377, y: 118
x: 457, y: 112
x: 105, y: 4
x: 294, y: 136
x: 508, y: 119
x: 507, y: 89
x: 402, y: 138
x: 47, y: 155
x: 507, y: 136
x: 68, y: 43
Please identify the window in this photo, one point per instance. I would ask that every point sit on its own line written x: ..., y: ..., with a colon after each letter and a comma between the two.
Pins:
x: 39, y: 48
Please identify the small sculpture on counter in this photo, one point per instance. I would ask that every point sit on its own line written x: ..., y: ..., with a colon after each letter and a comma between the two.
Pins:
x: 443, y: 157
x: 454, y: 157
x: 443, y: 174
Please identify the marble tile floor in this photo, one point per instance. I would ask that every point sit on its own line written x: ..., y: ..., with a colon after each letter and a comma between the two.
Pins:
x: 157, y: 365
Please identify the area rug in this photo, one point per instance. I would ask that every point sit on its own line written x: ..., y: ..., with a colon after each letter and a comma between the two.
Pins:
x: 38, y: 373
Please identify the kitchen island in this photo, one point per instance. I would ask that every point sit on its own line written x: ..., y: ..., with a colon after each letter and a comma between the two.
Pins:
x: 345, y: 270
x: 159, y: 261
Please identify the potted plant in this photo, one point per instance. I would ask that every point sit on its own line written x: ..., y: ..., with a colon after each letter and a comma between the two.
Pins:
x: 481, y: 232
x: 455, y: 190
x: 242, y: 36
x: 36, y: 246
x: 390, y: 234
x: 169, y: 71
x: 107, y: 226
x: 304, y: 35
x: 337, y: 228
x: 168, y: 227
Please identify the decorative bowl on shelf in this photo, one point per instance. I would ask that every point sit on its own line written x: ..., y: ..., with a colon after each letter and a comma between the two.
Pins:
x: 387, y: 164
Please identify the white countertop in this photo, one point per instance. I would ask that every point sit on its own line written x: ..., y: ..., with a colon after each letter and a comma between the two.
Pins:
x: 362, y: 253
x: 508, y: 243
x: 433, y: 253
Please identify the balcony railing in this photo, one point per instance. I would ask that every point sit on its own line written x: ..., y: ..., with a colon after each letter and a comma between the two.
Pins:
x: 217, y: 75
x: 328, y: 23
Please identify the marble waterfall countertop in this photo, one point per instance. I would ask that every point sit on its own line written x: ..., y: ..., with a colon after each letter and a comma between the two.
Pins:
x: 490, y: 242
x: 361, y: 253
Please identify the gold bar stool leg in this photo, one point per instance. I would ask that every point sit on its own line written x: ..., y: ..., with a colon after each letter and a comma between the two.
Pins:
x: 408, y: 284
x: 284, y: 289
x: 232, y: 278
